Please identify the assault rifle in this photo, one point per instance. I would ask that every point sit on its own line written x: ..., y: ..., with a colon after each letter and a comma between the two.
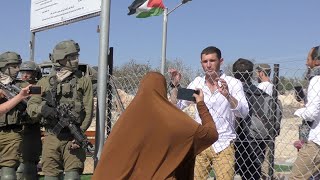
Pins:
x: 12, y: 90
x: 66, y: 119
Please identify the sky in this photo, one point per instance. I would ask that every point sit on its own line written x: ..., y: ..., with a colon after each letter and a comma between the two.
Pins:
x: 270, y: 31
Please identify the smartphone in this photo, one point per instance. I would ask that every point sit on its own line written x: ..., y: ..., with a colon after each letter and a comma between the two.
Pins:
x: 35, y: 90
x: 186, y: 94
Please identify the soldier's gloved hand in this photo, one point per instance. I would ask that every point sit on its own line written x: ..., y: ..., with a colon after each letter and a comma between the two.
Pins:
x: 74, y: 145
x: 48, y: 112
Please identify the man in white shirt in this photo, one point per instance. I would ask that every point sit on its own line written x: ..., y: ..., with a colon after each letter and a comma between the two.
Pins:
x: 308, y: 160
x: 225, y: 99
x: 263, y: 77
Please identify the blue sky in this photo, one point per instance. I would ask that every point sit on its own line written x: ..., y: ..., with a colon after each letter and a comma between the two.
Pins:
x: 270, y: 31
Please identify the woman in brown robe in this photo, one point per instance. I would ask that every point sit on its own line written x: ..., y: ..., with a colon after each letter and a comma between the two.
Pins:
x: 153, y: 139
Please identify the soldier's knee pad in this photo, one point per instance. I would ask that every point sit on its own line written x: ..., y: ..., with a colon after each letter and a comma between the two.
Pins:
x: 8, y: 173
x: 72, y: 175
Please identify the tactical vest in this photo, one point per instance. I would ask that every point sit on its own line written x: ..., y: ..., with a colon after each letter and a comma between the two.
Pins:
x: 69, y: 92
x: 13, y: 117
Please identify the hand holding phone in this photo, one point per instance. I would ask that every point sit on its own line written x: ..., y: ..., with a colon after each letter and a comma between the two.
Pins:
x: 198, y: 96
x: 187, y: 94
x: 35, y: 90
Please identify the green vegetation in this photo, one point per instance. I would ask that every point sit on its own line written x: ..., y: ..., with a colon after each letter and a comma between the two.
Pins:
x: 282, y: 168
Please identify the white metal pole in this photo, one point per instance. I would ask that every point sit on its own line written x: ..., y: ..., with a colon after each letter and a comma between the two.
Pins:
x: 102, y: 74
x: 164, y: 40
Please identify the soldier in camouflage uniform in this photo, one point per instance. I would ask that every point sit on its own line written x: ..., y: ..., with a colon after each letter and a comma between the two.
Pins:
x: 30, y: 74
x: 11, y: 122
x: 68, y: 86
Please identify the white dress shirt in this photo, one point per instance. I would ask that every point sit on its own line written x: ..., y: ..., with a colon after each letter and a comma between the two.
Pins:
x: 311, y: 111
x: 220, y: 108
x: 266, y: 87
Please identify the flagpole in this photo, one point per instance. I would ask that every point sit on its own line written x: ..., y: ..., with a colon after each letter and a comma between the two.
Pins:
x: 164, y: 34
x: 164, y: 40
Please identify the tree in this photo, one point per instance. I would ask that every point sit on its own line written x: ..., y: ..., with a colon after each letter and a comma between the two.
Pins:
x: 128, y: 76
x: 187, y: 73
x: 285, y: 84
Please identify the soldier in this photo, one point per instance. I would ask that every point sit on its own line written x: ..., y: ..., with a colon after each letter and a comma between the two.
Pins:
x: 11, y: 122
x: 30, y: 74
x: 62, y: 153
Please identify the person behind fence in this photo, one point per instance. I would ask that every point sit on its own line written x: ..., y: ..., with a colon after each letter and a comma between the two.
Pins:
x: 263, y: 72
x: 225, y: 100
x: 250, y: 146
x: 263, y: 77
x: 308, y: 160
x: 65, y: 110
x: 161, y: 141
x: 30, y: 73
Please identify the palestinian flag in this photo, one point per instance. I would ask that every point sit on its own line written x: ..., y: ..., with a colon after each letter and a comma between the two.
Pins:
x: 146, y: 8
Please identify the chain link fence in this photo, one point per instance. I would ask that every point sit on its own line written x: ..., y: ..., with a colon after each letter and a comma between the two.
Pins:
x: 292, y: 85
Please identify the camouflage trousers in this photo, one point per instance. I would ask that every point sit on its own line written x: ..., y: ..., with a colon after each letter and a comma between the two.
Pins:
x: 10, y: 144
x: 57, y: 157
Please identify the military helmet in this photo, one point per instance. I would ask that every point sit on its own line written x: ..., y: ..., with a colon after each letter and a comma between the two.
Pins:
x: 63, y: 49
x: 29, y: 66
x: 9, y: 58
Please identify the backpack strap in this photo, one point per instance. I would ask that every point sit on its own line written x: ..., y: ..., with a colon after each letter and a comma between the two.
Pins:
x: 252, y: 89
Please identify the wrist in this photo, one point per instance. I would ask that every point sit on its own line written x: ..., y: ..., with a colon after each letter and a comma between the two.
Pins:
x: 20, y: 96
x: 228, y: 96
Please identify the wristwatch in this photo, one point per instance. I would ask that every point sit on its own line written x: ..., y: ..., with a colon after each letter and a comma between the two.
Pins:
x: 173, y: 86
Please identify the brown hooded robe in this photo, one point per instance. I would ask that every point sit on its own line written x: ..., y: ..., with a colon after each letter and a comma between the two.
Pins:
x: 153, y: 139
